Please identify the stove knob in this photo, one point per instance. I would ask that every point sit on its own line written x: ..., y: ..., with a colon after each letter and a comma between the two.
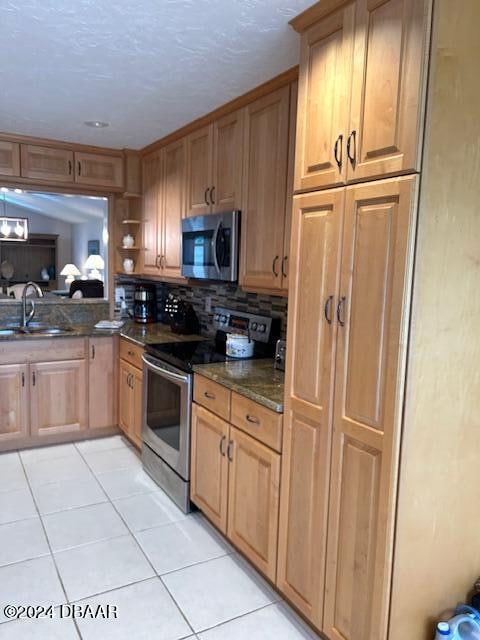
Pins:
x: 262, y: 328
x: 254, y: 326
x: 223, y: 319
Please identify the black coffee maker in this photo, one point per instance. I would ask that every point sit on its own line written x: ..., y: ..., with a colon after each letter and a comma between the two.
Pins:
x: 145, y: 303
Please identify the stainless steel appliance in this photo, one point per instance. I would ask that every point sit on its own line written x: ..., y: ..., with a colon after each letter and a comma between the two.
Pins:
x: 145, y: 303
x: 167, y: 401
x: 210, y: 246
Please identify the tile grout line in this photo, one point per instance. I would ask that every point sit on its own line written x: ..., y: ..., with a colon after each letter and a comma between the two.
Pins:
x: 144, y: 554
x: 49, y: 545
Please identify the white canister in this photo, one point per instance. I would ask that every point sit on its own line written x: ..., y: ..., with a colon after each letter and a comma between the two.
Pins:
x: 239, y: 346
x: 128, y: 265
x: 128, y: 241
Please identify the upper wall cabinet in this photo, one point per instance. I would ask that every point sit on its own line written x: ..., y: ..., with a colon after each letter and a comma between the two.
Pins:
x: 98, y: 169
x: 199, y: 171
x: 46, y: 163
x: 323, y: 98
x: 9, y: 158
x: 164, y: 186
x: 362, y: 79
x: 214, y: 166
x: 264, y: 191
x: 64, y: 165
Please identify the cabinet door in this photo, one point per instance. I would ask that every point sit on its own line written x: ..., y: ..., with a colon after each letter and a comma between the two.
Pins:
x: 9, y: 158
x: 45, y: 163
x: 324, y: 101
x: 253, y: 498
x: 264, y: 190
x: 152, y: 194
x: 58, y: 397
x: 13, y: 402
x: 102, y: 383
x: 137, y: 384
x: 389, y: 79
x: 98, y: 170
x: 314, y: 283
x: 174, y: 181
x: 285, y: 266
x: 209, y: 465
x: 228, y: 162
x: 126, y: 400
x: 370, y: 369
x: 199, y: 171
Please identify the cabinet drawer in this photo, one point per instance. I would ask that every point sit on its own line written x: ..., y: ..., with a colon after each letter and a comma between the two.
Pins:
x: 213, y: 396
x: 131, y: 352
x: 44, y: 350
x: 261, y: 423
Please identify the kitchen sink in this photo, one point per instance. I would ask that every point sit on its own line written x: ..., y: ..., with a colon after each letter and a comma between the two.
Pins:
x: 45, y: 331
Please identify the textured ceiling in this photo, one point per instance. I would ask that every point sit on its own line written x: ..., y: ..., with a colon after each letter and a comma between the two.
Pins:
x: 147, y: 67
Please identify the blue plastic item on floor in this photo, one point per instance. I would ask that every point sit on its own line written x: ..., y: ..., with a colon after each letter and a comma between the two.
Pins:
x: 465, y: 625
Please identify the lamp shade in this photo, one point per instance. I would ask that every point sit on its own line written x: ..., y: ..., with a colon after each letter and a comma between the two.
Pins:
x: 94, y: 262
x: 70, y: 270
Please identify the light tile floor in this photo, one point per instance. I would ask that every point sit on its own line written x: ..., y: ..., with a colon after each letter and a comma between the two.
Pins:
x: 83, y: 523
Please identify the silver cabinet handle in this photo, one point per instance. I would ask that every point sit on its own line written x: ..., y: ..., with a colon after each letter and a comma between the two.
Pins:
x: 230, y: 451
x: 327, y: 309
x: 352, y: 143
x: 284, y: 263
x: 212, y: 199
x: 205, y: 195
x: 222, y: 442
x: 341, y: 303
x: 23, y: 379
x: 338, y: 146
x: 93, y: 352
x: 274, y: 264
x: 34, y: 378
x: 210, y: 396
x: 79, y: 166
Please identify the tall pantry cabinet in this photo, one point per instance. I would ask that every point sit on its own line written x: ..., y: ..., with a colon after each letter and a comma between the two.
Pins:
x: 359, y: 131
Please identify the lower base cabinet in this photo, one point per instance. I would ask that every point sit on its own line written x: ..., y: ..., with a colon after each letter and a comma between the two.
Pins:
x: 13, y: 401
x: 56, y: 386
x: 130, y: 401
x: 235, y: 481
x: 58, y: 397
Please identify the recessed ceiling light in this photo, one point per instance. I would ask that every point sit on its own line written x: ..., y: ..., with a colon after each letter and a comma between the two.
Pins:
x: 18, y: 191
x: 96, y: 124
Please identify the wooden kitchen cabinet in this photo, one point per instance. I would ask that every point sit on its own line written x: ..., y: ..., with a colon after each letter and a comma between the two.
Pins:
x: 209, y: 465
x: 152, y: 195
x: 9, y: 158
x: 13, y: 401
x: 98, y: 170
x: 323, y: 101
x: 376, y: 264
x: 389, y: 79
x: 199, y: 171
x: 173, y: 207
x: 253, y: 499
x: 130, y: 392
x: 58, y: 397
x: 264, y: 190
x: 47, y: 163
x: 314, y: 280
x: 362, y: 93
x: 226, y: 193
x: 102, y: 382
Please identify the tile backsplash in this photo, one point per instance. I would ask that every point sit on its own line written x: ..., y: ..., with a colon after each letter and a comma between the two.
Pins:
x: 57, y: 311
x: 221, y: 295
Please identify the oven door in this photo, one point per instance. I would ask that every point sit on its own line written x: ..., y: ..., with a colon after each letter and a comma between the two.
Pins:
x: 167, y: 413
x: 210, y: 246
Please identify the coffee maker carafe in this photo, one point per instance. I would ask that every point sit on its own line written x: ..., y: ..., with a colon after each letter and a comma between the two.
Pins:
x: 145, y: 303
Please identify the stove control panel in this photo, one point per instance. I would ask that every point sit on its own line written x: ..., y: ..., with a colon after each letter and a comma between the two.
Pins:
x: 258, y: 327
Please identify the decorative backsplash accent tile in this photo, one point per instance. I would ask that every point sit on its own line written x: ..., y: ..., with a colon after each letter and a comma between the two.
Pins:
x: 221, y: 295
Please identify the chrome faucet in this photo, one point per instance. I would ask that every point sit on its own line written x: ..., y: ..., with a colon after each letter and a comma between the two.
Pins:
x: 39, y: 292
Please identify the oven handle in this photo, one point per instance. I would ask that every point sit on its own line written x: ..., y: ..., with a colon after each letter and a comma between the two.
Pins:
x: 214, y: 246
x: 164, y: 372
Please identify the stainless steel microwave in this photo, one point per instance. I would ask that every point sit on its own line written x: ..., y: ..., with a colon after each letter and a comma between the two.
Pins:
x: 210, y: 246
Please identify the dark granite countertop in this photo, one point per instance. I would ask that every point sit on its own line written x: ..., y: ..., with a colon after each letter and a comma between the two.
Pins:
x: 257, y: 380
x: 140, y: 334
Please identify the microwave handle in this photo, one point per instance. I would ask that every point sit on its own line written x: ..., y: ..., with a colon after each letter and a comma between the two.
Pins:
x: 162, y: 371
x: 214, y: 246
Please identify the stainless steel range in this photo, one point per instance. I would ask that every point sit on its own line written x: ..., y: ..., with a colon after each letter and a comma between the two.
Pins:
x: 168, y: 388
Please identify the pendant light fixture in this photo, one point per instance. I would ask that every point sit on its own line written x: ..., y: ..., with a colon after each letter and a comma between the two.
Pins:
x: 12, y: 229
